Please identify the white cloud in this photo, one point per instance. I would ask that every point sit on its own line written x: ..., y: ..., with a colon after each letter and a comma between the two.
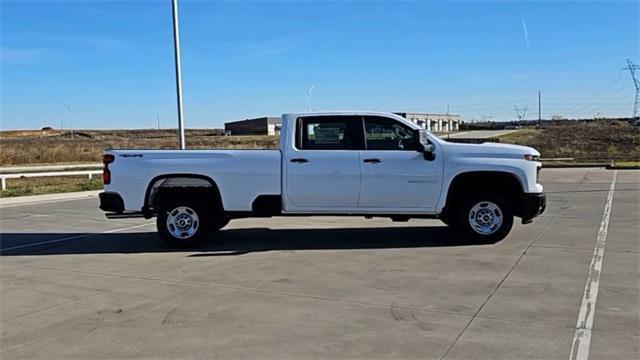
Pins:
x: 525, y: 32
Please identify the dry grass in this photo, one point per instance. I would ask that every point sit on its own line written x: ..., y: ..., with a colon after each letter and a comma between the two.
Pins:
x: 627, y: 163
x: 600, y: 139
x: 595, y: 140
x: 36, y: 147
x: 520, y: 137
x: 48, y: 185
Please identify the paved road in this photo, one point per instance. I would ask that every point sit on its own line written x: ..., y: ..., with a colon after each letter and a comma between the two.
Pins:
x: 325, y: 287
x: 479, y: 134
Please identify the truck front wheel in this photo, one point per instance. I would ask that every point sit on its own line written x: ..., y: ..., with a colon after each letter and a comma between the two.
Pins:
x: 183, y: 223
x: 485, y: 218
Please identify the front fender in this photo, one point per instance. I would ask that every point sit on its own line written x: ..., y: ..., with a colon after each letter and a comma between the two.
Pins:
x: 512, y: 167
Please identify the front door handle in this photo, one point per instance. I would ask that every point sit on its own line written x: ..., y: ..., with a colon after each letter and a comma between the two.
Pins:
x: 299, y: 160
x: 374, y: 161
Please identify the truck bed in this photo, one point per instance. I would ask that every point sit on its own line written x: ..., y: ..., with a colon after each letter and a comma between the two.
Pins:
x: 241, y: 175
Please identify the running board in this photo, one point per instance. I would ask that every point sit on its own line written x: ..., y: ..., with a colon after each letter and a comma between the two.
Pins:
x: 124, y: 215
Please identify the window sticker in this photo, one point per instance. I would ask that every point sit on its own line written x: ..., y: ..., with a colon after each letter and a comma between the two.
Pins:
x: 327, y: 135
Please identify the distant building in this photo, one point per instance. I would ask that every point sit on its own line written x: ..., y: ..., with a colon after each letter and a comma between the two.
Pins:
x: 434, y: 122
x: 270, y: 125
x: 259, y: 126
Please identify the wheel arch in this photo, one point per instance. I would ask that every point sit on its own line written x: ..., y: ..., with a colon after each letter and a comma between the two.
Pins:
x: 184, y: 182
x: 505, y: 183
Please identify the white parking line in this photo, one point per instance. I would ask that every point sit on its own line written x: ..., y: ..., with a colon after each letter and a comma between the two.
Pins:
x: 582, y: 338
x: 74, y: 237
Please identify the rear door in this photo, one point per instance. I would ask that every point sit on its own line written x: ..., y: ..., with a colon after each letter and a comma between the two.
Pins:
x: 323, y: 170
x: 393, y: 173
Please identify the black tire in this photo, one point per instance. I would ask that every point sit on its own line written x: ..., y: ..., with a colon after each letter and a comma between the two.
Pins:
x: 447, y: 220
x: 492, y: 217
x: 194, y: 211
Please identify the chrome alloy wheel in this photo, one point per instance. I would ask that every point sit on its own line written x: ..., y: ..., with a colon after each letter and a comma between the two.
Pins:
x: 182, y: 222
x: 485, y: 218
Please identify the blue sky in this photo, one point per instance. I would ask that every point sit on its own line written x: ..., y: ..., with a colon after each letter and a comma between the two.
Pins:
x: 111, y: 61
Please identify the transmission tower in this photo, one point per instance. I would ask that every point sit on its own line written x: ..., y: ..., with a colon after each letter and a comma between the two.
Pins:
x: 632, y: 69
x: 521, y: 113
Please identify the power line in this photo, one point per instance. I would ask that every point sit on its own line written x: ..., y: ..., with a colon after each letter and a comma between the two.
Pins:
x: 521, y: 113
x: 632, y: 69
x: 483, y: 104
x: 599, y: 103
x: 586, y: 100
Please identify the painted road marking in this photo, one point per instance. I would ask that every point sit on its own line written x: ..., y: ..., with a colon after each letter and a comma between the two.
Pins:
x: 74, y: 237
x: 582, y: 338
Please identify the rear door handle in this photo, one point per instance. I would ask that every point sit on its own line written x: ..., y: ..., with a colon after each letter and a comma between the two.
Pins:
x: 299, y: 160
x: 374, y: 161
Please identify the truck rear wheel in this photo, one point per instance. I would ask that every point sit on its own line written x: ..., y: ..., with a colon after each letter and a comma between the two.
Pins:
x: 485, y: 218
x: 183, y: 223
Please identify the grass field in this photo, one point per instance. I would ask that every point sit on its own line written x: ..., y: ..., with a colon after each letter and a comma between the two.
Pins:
x: 36, y: 147
x: 48, y: 185
x: 55, y: 147
x: 600, y: 140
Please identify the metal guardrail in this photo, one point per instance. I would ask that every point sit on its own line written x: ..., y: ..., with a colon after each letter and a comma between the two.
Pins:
x: 603, y: 160
x: 44, y: 168
x: 88, y: 173
x: 558, y: 159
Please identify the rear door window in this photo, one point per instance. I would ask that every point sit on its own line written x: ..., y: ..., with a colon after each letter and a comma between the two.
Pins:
x: 330, y: 133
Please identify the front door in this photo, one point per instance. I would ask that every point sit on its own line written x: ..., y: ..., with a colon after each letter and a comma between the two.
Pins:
x: 393, y: 173
x: 323, y: 172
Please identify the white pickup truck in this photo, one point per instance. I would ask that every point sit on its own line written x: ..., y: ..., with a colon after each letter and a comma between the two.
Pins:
x: 331, y: 163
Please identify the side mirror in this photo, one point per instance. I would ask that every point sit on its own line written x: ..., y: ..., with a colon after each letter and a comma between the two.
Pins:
x: 428, y: 151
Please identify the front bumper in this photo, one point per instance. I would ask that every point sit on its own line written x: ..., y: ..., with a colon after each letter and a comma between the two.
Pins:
x: 111, y: 202
x: 532, y: 206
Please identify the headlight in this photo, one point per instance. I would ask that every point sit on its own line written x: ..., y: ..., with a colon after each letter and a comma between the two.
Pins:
x: 530, y: 157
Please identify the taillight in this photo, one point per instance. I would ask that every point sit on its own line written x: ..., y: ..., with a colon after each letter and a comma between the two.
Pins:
x: 106, y: 174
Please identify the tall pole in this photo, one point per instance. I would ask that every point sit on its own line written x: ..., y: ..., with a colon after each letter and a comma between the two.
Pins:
x: 539, y: 109
x: 176, y: 53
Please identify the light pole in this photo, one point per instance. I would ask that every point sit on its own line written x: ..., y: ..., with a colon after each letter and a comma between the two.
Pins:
x: 176, y: 53
x: 309, y: 97
x: 69, y: 122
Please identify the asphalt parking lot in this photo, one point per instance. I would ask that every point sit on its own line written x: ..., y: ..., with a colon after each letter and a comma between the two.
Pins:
x: 76, y: 285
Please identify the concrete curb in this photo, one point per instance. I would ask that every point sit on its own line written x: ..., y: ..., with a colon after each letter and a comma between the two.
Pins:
x: 572, y: 166
x: 605, y: 166
x: 20, y: 200
x: 622, y: 167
